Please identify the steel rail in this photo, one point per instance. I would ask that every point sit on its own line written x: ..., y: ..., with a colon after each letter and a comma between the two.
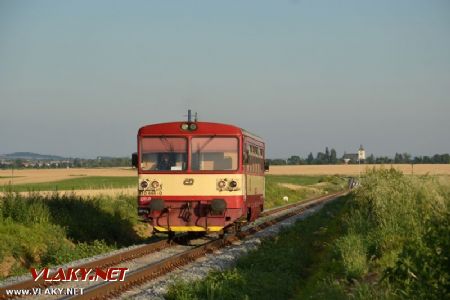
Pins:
x: 107, y: 290
x: 157, y: 246
x: 100, y: 263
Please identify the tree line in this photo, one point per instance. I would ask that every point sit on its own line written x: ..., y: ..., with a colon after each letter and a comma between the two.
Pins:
x: 100, y: 162
x: 329, y: 157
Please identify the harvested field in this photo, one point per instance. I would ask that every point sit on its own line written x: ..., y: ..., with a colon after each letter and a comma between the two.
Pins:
x: 49, y: 175
x: 420, y: 169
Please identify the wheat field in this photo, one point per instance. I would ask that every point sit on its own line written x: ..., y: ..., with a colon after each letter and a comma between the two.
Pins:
x: 420, y: 169
x: 24, y: 176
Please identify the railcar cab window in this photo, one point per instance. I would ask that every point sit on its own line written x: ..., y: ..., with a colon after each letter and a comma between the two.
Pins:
x: 214, y: 153
x: 163, y: 153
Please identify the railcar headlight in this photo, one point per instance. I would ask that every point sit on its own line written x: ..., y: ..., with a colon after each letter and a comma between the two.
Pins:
x: 185, y: 126
x: 144, y: 184
x: 155, y: 184
x: 233, y: 183
x: 221, y: 184
x: 192, y: 126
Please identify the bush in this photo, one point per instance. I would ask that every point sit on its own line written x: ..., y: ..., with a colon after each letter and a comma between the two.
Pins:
x: 352, y: 255
x: 423, y: 267
x: 399, y: 226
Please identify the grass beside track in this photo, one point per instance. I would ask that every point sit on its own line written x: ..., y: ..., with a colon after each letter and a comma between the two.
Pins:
x: 38, y: 231
x: 388, y: 240
x: 298, y: 188
x: 277, y: 268
x: 41, y: 230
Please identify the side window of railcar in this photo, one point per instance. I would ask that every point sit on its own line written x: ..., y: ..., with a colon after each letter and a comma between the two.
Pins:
x: 255, y: 161
x: 214, y: 153
x: 163, y: 153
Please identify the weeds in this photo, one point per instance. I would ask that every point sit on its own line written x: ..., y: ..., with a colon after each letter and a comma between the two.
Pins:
x: 277, y: 268
x: 396, y: 231
x: 38, y: 230
x: 389, y: 240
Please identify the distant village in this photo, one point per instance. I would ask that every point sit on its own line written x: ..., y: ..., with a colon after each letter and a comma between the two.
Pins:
x: 329, y: 157
x: 20, y: 160
x: 32, y: 160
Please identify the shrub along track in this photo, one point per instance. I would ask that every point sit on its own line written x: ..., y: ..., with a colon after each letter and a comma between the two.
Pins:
x: 163, y: 266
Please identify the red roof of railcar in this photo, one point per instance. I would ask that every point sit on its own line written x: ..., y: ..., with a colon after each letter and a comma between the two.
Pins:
x: 206, y: 128
x: 202, y: 128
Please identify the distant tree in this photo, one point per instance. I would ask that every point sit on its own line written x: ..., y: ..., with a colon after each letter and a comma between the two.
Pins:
x: 436, y: 159
x: 333, y: 156
x: 294, y: 160
x: 321, y: 158
x: 406, y: 158
x: 18, y: 163
x: 327, y: 156
x: 310, y: 159
x: 277, y: 161
x: 383, y: 160
x: 398, y: 158
x: 370, y: 159
x: 77, y: 163
x: 417, y: 160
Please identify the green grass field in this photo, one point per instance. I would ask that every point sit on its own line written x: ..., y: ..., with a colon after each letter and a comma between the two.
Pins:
x: 100, y: 182
x: 298, y: 188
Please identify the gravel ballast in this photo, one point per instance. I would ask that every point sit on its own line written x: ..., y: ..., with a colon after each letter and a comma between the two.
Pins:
x: 219, y: 260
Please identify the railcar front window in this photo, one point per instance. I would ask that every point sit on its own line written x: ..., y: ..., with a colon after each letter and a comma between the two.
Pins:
x: 163, y: 153
x: 214, y: 153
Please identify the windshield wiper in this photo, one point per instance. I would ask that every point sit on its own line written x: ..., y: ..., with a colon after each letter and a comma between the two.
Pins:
x: 206, y: 143
x: 167, y: 143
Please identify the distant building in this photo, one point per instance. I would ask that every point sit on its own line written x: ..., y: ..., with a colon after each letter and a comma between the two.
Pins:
x: 350, y: 158
x: 361, y: 153
x: 355, y: 158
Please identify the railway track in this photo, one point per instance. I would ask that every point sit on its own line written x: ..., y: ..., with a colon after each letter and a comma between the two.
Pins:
x: 148, y: 270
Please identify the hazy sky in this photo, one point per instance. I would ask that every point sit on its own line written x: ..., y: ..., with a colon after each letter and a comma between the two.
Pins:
x: 78, y: 78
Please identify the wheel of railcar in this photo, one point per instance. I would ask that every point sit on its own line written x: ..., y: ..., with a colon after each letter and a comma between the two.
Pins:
x: 237, y: 227
x: 249, y: 214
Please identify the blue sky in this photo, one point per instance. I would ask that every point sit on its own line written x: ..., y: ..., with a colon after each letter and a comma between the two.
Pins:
x: 78, y: 78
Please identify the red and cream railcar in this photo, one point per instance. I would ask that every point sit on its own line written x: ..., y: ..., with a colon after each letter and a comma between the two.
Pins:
x: 199, y: 176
